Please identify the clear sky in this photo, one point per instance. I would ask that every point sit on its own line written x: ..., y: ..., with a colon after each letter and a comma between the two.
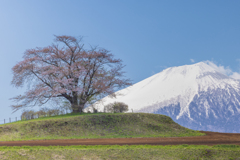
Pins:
x: 148, y: 35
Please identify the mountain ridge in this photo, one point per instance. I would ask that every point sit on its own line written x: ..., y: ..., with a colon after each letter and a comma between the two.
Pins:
x: 183, y: 93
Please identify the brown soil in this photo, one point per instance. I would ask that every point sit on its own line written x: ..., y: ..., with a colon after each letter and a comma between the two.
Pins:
x: 211, y: 138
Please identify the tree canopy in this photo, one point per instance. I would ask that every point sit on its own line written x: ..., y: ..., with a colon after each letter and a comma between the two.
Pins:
x: 65, y: 70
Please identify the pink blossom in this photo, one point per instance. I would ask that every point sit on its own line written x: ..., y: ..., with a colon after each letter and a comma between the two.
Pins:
x: 68, y: 72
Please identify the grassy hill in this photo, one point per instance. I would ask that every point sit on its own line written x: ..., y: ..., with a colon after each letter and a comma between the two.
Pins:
x: 101, y: 125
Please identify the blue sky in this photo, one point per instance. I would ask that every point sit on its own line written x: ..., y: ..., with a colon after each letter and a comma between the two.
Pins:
x: 148, y: 36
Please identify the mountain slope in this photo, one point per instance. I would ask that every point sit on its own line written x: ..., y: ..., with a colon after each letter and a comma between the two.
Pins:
x: 196, y: 96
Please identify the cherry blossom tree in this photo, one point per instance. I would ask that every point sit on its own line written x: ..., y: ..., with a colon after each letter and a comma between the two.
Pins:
x: 67, y: 71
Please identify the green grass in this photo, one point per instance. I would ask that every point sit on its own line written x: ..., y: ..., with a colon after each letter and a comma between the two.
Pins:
x: 139, y: 152
x: 57, y: 117
x: 101, y: 125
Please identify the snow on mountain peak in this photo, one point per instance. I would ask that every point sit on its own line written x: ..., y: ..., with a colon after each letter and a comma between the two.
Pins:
x: 175, y: 85
x: 197, y: 96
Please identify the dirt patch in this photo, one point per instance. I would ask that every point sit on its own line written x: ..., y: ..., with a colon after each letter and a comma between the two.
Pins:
x: 211, y: 138
x: 2, y: 157
x: 58, y: 157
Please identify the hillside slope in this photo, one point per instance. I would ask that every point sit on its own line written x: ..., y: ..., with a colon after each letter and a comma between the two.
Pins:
x: 96, y: 126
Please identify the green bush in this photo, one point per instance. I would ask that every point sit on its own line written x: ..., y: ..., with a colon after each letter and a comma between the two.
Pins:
x: 116, y: 107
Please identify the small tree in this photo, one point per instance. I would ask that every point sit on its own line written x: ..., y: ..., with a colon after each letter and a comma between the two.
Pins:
x: 41, y: 113
x: 116, y: 107
x: 28, y: 114
x: 95, y: 110
x: 65, y: 70
x: 109, y: 108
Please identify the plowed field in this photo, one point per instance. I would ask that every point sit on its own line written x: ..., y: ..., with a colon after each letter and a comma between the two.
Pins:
x: 211, y: 138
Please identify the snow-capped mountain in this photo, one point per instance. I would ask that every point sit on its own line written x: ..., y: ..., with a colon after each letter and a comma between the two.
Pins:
x: 195, y: 96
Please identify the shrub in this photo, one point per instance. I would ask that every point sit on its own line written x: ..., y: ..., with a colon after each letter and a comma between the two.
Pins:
x: 116, y: 107
x: 43, y: 112
x: 28, y: 114
x: 95, y: 110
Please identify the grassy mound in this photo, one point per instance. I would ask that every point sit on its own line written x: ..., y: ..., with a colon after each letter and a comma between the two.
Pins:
x: 95, y: 126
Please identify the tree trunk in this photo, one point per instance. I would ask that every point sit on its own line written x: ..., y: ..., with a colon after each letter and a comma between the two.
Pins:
x: 78, y: 108
x: 75, y: 108
x: 74, y: 104
x: 81, y: 106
